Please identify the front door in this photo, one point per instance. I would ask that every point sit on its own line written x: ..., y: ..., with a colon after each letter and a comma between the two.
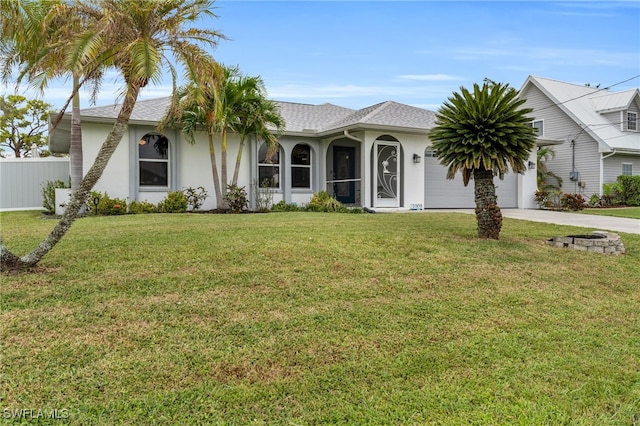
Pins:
x: 344, y: 166
x: 387, y: 178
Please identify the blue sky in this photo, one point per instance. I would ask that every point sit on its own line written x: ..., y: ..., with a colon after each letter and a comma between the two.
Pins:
x: 359, y: 53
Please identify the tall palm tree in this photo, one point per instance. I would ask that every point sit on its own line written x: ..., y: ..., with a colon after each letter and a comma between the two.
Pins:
x: 256, y: 117
x: 236, y: 104
x: 139, y: 39
x: 41, y: 41
x: 482, y: 133
x: 194, y: 108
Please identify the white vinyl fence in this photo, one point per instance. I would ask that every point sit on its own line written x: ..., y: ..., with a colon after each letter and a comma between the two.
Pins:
x: 22, y: 180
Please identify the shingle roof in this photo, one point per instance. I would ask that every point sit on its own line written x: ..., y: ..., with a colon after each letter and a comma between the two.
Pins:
x: 585, y: 104
x: 298, y: 117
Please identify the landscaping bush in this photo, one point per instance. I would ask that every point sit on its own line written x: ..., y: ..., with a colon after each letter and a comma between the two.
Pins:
x: 323, y: 202
x: 107, y: 206
x: 283, y: 206
x: 573, y: 202
x: 630, y: 190
x: 49, y: 194
x: 236, y: 198
x: 175, y: 202
x: 137, y: 207
x: 195, y: 197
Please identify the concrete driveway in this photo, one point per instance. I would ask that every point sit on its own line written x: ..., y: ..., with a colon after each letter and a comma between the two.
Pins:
x: 604, y: 223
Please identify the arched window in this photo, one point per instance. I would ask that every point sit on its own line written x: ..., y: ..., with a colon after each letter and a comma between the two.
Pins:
x: 268, y: 168
x: 153, y: 160
x: 301, y: 166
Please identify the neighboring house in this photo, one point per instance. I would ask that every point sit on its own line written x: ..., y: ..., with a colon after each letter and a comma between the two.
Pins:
x: 597, y: 131
x: 377, y: 157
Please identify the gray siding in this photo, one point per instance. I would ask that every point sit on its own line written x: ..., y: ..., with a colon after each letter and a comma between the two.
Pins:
x: 613, y: 166
x: 22, y: 179
x: 614, y: 118
x: 558, y: 125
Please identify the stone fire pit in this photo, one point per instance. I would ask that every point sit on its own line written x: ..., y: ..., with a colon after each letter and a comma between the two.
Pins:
x: 597, y: 242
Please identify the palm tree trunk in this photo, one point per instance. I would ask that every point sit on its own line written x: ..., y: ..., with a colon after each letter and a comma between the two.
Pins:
x: 222, y: 203
x: 487, y: 211
x: 236, y: 171
x: 223, y: 161
x: 75, y: 148
x: 79, y: 195
x: 214, y: 172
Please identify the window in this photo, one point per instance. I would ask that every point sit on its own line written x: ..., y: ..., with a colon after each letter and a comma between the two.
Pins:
x: 632, y: 121
x: 153, y: 160
x: 539, y: 126
x: 627, y: 169
x: 430, y: 153
x: 301, y: 166
x: 268, y: 168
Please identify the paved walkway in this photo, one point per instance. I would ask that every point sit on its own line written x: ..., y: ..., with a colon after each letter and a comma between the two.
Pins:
x: 605, y: 223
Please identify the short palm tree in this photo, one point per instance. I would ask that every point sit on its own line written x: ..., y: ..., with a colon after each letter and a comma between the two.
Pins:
x: 140, y: 40
x: 547, y: 180
x: 482, y: 133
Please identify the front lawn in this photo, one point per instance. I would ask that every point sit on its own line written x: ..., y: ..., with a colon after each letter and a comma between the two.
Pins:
x: 632, y: 212
x: 312, y: 318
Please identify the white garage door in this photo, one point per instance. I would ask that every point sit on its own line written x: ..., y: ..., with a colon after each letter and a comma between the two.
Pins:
x: 441, y: 193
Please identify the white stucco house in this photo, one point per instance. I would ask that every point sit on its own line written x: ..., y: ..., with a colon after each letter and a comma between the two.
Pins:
x: 595, y: 131
x: 378, y: 157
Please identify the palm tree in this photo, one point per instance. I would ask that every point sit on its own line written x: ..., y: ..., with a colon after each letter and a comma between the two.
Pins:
x: 481, y: 134
x: 139, y: 39
x: 237, y: 104
x: 547, y: 180
x: 194, y: 108
x: 255, y: 115
x: 43, y: 45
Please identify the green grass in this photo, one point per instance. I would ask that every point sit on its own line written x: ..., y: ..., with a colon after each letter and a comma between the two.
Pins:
x: 632, y: 212
x: 311, y: 318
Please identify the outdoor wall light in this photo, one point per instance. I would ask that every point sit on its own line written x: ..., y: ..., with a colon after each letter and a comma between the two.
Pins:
x: 532, y: 165
x: 416, y: 158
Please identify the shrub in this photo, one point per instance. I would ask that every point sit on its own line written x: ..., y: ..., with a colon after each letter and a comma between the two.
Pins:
x: 49, y: 194
x: 236, y: 198
x: 107, y: 206
x: 195, y: 197
x: 137, y: 207
x: 175, y: 202
x: 323, y: 202
x: 542, y: 198
x: 612, y: 193
x: 573, y: 201
x: 283, y: 206
x: 630, y: 190
x: 264, y: 195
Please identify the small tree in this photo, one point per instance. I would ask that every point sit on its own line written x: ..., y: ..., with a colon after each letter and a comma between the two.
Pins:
x: 23, y: 123
x: 482, y: 133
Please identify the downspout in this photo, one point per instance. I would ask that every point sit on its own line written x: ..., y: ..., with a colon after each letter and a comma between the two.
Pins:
x: 350, y: 136
x: 602, y: 158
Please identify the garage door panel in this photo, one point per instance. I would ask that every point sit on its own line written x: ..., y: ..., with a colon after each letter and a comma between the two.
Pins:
x: 439, y: 192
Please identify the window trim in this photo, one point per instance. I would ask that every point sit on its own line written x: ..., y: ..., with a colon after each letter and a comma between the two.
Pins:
x: 302, y: 166
x: 540, y: 133
x: 167, y: 161
x: 628, y: 121
x: 630, y: 169
x: 279, y: 165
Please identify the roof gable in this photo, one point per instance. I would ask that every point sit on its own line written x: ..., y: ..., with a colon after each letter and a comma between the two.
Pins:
x: 586, y: 105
